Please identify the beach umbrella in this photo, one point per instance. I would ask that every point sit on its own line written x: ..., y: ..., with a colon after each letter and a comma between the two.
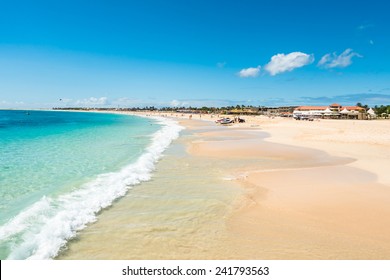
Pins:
x: 328, y: 111
x: 371, y: 112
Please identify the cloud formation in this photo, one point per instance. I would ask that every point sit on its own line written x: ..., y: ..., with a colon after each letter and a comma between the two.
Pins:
x: 340, y: 61
x: 287, y: 62
x: 249, y: 72
x: 92, y: 101
x: 175, y: 103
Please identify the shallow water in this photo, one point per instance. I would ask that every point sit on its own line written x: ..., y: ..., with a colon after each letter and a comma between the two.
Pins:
x: 58, y: 169
x: 180, y: 213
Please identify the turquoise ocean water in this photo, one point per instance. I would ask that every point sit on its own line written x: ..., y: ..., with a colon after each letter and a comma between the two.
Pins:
x: 59, y: 169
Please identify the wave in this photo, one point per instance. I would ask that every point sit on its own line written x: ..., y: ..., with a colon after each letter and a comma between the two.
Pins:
x: 43, y: 229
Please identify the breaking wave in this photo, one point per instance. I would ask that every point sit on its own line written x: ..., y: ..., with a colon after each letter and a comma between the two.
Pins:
x: 42, y: 230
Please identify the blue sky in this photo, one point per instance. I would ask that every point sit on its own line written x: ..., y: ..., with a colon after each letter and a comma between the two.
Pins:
x: 193, y: 53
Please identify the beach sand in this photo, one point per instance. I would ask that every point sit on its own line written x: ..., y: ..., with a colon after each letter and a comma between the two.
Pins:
x: 266, y: 189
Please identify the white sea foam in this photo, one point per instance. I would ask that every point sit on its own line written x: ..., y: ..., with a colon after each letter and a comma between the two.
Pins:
x: 40, y: 231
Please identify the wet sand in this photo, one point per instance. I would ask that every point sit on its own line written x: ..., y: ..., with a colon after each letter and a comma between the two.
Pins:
x: 322, y: 203
x: 180, y: 214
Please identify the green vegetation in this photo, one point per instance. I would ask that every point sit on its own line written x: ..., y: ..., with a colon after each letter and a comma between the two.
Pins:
x: 363, y: 106
x: 382, y: 111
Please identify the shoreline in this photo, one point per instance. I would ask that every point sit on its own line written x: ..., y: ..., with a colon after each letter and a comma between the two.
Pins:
x: 175, y: 215
x: 86, y: 176
x: 303, y: 195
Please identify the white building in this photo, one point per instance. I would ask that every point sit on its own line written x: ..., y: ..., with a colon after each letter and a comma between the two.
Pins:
x: 334, y: 111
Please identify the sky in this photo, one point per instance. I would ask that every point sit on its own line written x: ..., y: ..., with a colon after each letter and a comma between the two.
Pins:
x: 134, y: 53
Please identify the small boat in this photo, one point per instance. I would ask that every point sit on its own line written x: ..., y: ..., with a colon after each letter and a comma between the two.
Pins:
x: 226, y: 121
x: 222, y: 120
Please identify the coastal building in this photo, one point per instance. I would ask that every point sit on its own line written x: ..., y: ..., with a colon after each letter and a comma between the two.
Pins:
x: 333, y: 111
x: 244, y: 111
x: 276, y: 111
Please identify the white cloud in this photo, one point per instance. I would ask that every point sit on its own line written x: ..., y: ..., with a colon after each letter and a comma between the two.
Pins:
x: 13, y: 104
x: 92, y: 101
x: 287, y: 62
x: 177, y: 103
x: 65, y: 102
x: 333, y: 60
x: 324, y: 59
x: 249, y: 72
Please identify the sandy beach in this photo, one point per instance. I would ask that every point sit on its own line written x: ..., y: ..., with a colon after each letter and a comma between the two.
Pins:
x: 270, y: 188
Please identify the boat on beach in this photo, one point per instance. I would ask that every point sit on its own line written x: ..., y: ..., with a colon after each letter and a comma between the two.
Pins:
x: 224, y: 121
x: 229, y: 120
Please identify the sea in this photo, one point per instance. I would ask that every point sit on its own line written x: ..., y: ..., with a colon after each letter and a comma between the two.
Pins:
x: 59, y: 170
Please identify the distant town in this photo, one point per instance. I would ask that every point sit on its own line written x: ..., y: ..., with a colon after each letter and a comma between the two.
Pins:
x: 335, y: 111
